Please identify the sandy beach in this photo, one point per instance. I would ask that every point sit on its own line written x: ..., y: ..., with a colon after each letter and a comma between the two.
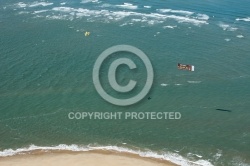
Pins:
x: 79, y: 159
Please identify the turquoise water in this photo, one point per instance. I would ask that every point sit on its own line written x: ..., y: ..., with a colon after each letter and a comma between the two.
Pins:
x: 46, y: 66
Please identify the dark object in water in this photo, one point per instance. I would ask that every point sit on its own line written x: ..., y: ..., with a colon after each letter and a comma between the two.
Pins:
x: 218, y: 109
x: 149, y: 98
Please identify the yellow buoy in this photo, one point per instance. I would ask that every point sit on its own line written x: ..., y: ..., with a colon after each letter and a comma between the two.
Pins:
x: 87, y: 33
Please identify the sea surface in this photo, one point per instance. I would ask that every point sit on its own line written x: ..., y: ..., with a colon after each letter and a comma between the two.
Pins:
x: 46, y: 64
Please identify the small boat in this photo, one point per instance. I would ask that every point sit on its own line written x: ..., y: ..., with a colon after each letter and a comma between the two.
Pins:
x: 185, y: 67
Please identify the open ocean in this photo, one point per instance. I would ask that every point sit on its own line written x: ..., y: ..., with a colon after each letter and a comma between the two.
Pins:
x: 46, y: 65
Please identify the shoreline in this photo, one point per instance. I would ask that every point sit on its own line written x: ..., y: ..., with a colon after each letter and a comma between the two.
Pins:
x: 95, y: 157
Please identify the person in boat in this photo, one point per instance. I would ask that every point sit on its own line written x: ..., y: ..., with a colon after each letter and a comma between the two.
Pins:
x: 184, y: 67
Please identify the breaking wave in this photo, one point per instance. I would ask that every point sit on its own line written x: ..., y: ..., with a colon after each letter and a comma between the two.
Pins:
x: 227, y: 27
x: 33, y: 4
x: 240, y: 36
x: 172, y: 157
x: 105, y: 13
x: 90, y: 1
x: 123, y: 6
x: 175, y: 11
x: 247, y: 19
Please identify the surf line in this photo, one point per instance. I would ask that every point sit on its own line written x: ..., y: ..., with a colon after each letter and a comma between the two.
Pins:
x: 124, y: 115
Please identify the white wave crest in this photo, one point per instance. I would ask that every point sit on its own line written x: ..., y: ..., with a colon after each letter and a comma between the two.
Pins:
x: 193, y: 154
x: 127, y: 6
x: 23, y: 12
x: 40, y: 11
x: 169, y: 27
x: 202, y: 16
x: 181, y: 19
x: 247, y: 19
x: 123, y: 6
x: 175, y: 11
x: 227, y: 27
x: 194, y: 82
x: 21, y: 5
x: 173, y: 157
x: 218, y: 154
x: 64, y: 9
x: 33, y: 4
x: 107, y: 16
x: 88, y: 1
x: 163, y: 84
x: 240, y: 36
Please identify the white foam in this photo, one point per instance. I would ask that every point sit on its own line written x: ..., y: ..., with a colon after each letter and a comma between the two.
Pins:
x: 21, y: 4
x: 23, y: 12
x: 163, y: 84
x: 192, y: 154
x: 123, y: 6
x: 227, y: 27
x: 247, y: 19
x: 63, y: 3
x: 223, y: 26
x: 107, y: 15
x: 169, y: 27
x: 123, y: 24
x: 89, y: 1
x: 238, y: 161
x: 148, y: 7
x: 127, y: 6
x: 40, y: 11
x: 175, y: 11
x: 232, y: 29
x: 200, y: 156
x: 173, y: 157
x: 202, y: 16
x: 194, y: 82
x: 61, y: 17
x: 227, y: 39
x: 218, y: 154
x: 240, y: 36
x: 178, y: 84
x: 63, y: 9
x: 35, y: 4
x: 136, y: 20
x: 181, y: 19
x: 153, y: 22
